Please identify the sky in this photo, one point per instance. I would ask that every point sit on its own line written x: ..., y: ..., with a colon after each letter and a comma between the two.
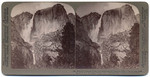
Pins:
x: 100, y: 8
x: 33, y: 7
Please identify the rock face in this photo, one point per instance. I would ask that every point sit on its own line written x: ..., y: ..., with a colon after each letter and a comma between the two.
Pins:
x: 51, y: 42
x: 56, y: 49
x: 67, y: 56
x: 72, y: 18
x: 90, y: 21
x: 87, y: 55
x: 90, y: 24
x: 116, y: 20
x: 22, y: 24
x: 114, y: 37
x: 21, y: 20
x: 87, y: 49
x: 132, y: 58
x: 21, y: 55
x: 48, y: 20
x: 114, y: 49
x: 54, y: 38
x: 46, y: 49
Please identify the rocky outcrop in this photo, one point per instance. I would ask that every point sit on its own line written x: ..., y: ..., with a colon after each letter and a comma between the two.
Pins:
x: 23, y: 24
x: 90, y: 21
x: 21, y: 21
x: 87, y: 50
x: 114, y: 49
x: 132, y: 58
x: 21, y: 55
x: 67, y: 56
x: 115, y: 37
x: 87, y: 55
x: 72, y: 18
x: 90, y: 24
x: 56, y: 49
x: 48, y: 20
x: 47, y: 48
x: 53, y: 36
x: 116, y: 20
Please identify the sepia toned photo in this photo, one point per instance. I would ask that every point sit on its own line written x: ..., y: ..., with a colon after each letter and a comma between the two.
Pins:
x: 94, y: 36
x: 107, y: 36
x: 42, y: 36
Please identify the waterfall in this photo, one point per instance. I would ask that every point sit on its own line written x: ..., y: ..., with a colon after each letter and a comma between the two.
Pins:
x: 94, y: 32
x: 94, y: 37
x: 27, y: 30
x: 101, y: 56
x: 25, y: 34
x: 33, y: 53
x: 49, y: 26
